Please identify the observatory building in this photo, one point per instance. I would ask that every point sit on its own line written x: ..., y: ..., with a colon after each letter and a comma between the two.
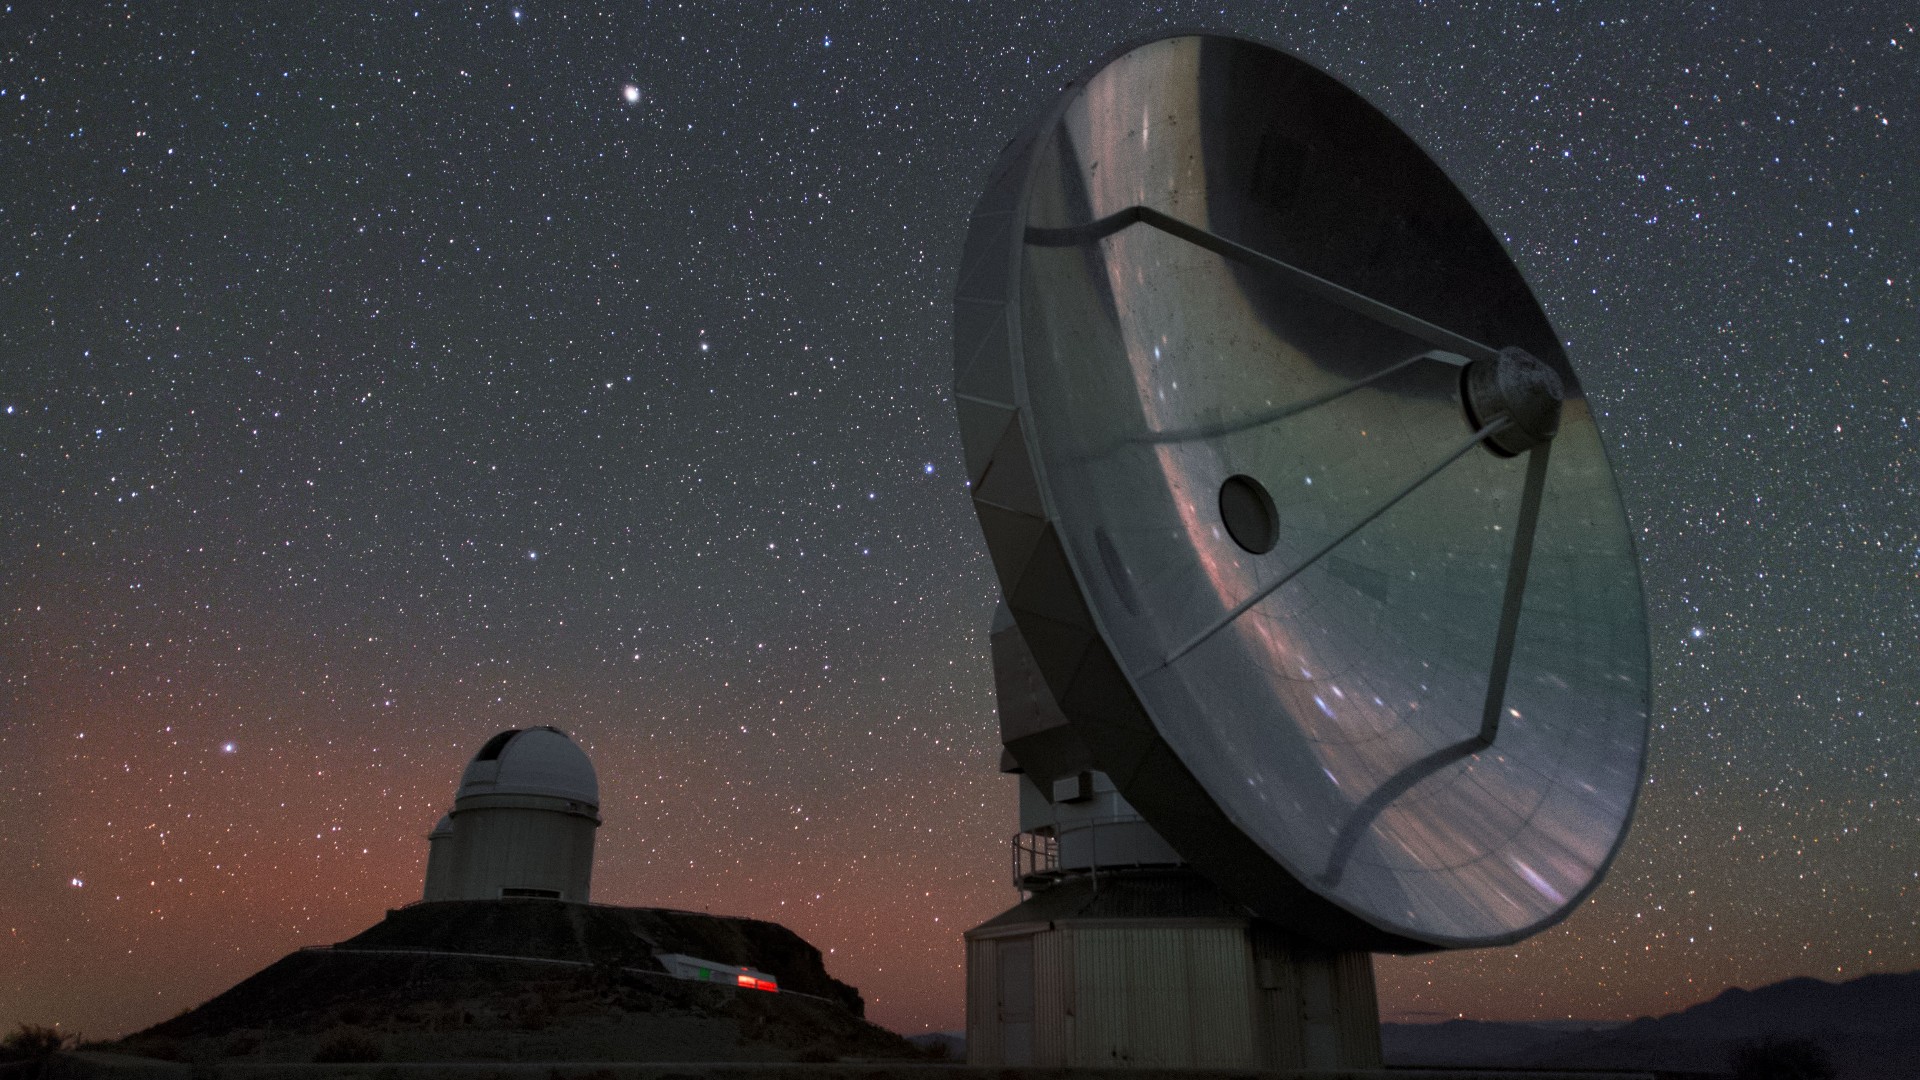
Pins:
x: 522, y: 823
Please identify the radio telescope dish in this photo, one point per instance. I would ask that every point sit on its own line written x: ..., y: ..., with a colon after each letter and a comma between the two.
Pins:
x: 1298, y: 503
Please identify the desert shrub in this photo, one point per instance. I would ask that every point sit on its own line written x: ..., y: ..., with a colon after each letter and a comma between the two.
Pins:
x: 568, y: 999
x: 443, y: 1016
x: 816, y: 1054
x: 1781, y: 1059
x: 532, y: 1014
x: 348, y: 1045
x: 241, y: 1044
x: 158, y: 1048
x: 30, y: 1041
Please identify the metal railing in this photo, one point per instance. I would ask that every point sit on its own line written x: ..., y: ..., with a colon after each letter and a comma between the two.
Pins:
x: 1036, y: 859
x: 1036, y: 856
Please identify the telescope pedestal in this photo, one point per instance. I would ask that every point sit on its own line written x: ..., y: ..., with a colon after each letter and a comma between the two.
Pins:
x: 1157, y: 969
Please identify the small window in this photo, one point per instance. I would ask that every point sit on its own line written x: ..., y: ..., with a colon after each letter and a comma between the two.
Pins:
x: 536, y: 894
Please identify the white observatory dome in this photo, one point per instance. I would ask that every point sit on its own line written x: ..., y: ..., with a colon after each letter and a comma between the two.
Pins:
x: 522, y: 823
x: 538, y: 761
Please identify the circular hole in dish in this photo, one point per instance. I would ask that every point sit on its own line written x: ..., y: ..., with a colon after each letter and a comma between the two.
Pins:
x: 1247, y: 511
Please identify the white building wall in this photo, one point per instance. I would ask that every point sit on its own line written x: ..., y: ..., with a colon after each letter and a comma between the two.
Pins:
x: 983, y: 999
x: 499, y: 848
x: 439, y: 866
x: 1167, y: 994
x: 1164, y: 997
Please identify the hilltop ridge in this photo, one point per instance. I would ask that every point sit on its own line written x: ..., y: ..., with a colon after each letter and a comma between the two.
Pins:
x: 517, y: 980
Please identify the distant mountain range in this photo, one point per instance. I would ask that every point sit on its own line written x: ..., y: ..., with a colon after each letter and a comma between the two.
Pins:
x: 1869, y: 1028
x: 942, y: 1045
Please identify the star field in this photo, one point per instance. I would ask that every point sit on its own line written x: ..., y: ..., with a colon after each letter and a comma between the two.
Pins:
x: 375, y: 379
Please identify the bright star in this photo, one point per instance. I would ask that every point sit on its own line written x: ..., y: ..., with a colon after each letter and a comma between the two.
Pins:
x: 631, y: 93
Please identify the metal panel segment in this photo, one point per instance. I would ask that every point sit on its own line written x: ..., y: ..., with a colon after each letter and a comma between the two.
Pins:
x: 983, y: 999
x: 1015, y: 1000
x: 1166, y: 996
x: 1053, y: 998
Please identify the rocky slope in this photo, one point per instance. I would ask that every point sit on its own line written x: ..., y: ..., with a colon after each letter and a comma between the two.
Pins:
x: 532, y: 980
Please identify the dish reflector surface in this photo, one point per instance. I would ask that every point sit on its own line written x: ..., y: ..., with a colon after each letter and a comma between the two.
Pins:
x: 1211, y: 330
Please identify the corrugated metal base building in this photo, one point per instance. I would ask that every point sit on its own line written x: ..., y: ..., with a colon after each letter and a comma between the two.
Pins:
x: 1158, y: 969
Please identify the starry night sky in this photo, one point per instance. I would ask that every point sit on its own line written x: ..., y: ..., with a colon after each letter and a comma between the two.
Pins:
x: 372, y: 380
